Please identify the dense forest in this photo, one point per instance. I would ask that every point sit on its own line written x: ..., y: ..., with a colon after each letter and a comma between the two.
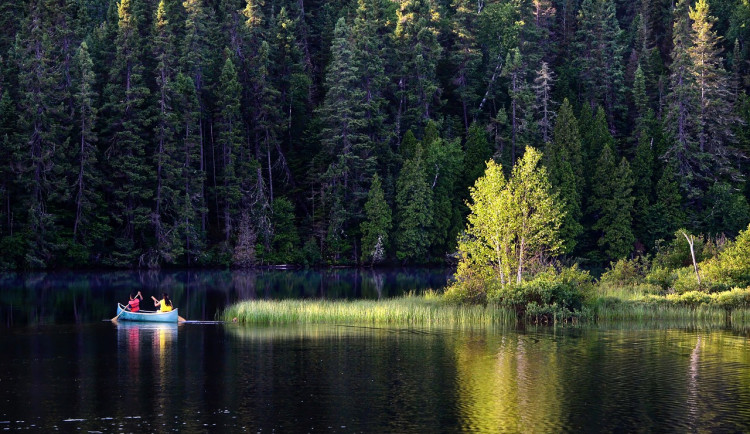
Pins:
x: 157, y: 133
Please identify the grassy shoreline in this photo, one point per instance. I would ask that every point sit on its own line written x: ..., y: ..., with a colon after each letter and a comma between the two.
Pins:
x: 432, y: 310
x: 418, y: 310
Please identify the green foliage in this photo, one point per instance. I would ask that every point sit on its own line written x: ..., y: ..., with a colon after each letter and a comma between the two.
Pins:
x: 377, y: 225
x: 612, y: 206
x: 285, y: 245
x: 626, y: 272
x: 511, y: 223
x: 413, y: 211
x: 550, y: 295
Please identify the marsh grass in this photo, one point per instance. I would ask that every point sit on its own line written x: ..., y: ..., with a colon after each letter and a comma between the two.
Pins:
x: 410, y: 310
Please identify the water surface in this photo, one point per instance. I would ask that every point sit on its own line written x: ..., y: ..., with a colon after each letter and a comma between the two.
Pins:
x: 78, y: 373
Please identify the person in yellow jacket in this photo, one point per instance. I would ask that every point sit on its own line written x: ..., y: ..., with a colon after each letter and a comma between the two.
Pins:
x: 165, y: 302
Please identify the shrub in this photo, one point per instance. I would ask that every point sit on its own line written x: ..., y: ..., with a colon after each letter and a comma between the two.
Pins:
x: 690, y: 298
x: 550, y: 295
x: 661, y: 277
x: 733, y: 299
x: 626, y: 272
x: 732, y: 266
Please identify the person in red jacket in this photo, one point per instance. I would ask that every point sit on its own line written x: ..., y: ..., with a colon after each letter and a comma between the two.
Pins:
x: 134, y: 305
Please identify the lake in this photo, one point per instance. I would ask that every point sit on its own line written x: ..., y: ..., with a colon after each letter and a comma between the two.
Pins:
x: 63, y: 368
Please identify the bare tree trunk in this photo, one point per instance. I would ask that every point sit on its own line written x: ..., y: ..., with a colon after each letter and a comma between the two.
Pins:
x: 691, y: 241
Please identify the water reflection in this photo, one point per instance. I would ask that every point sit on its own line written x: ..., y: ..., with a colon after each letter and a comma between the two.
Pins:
x: 197, y: 378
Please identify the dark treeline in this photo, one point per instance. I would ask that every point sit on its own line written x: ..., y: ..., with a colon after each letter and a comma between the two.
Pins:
x: 147, y: 133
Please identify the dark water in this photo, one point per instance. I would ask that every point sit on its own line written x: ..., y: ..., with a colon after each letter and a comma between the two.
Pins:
x: 98, y: 376
x: 44, y: 298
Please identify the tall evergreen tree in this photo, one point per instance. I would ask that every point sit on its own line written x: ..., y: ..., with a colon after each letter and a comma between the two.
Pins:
x: 600, y: 54
x: 715, y: 116
x: 344, y: 138
x: 413, y: 211
x: 230, y: 142
x: 377, y: 224
x: 88, y: 181
x: 612, y: 205
x: 126, y: 114
x: 42, y: 136
x: 190, y: 201
x: 543, y: 90
x: 565, y: 167
x: 419, y: 53
x: 466, y: 56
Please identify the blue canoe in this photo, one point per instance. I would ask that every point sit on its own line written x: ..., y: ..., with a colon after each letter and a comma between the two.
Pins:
x: 147, y: 316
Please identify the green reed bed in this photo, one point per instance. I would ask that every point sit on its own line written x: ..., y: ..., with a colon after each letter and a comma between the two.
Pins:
x: 407, y: 310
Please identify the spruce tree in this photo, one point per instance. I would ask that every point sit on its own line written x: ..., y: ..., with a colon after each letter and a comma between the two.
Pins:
x: 126, y: 114
x: 477, y: 151
x: 612, y: 206
x: 666, y: 211
x: 229, y: 146
x: 466, y: 56
x: 344, y: 138
x: 543, y: 90
x: 190, y: 203
x: 681, y: 118
x: 88, y: 181
x: 600, y: 54
x: 714, y: 114
x: 443, y: 165
x: 43, y: 137
x: 419, y: 52
x: 377, y: 225
x: 565, y: 167
x: 521, y: 102
x: 413, y: 211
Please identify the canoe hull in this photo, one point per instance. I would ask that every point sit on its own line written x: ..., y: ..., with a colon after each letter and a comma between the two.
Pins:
x: 144, y: 316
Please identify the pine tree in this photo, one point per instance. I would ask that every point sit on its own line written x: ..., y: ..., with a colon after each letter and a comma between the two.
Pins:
x: 565, y: 167
x: 88, y: 181
x: 466, y: 56
x: 126, y: 114
x: 520, y: 103
x: 681, y: 114
x: 43, y: 136
x: 543, y: 90
x: 230, y: 142
x: 715, y: 116
x: 612, y: 205
x: 344, y: 137
x: 477, y: 151
x: 600, y: 55
x: 419, y: 53
x: 190, y: 202
x: 413, y: 211
x: 377, y: 224
x: 443, y: 165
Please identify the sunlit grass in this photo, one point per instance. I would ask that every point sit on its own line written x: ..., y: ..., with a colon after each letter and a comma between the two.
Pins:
x: 417, y: 310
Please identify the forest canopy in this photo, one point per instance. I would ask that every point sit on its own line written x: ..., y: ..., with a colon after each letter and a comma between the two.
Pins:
x: 157, y: 133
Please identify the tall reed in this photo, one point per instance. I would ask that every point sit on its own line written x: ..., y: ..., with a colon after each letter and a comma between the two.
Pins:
x: 407, y: 310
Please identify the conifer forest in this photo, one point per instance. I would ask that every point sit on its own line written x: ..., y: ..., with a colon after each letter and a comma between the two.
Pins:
x: 173, y: 133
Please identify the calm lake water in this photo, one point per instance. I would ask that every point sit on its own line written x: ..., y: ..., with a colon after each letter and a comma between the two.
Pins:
x: 75, y: 372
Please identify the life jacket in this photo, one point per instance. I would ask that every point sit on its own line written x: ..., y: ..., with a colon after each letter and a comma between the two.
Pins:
x: 165, y: 307
x: 135, y: 305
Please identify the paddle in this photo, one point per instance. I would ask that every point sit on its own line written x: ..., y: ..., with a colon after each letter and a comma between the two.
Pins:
x: 118, y: 315
x: 181, y: 319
